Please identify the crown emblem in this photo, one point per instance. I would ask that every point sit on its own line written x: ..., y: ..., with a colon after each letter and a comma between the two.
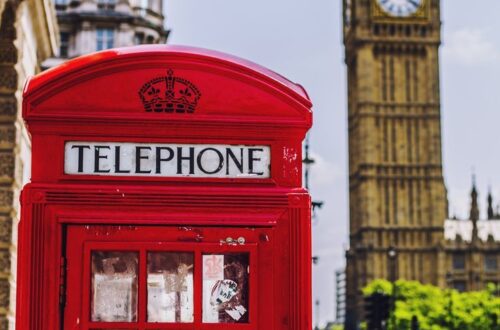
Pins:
x: 169, y: 94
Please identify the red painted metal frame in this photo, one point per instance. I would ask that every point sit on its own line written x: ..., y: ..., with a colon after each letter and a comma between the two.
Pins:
x: 95, y: 98
x: 84, y: 239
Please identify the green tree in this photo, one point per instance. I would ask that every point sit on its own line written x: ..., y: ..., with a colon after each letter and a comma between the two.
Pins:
x: 335, y: 327
x: 438, y: 309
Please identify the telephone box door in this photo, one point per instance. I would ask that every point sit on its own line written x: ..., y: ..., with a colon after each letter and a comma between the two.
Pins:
x: 133, y: 277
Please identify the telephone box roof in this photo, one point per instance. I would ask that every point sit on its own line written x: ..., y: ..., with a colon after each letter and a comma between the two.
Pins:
x: 85, y: 61
x: 107, y: 83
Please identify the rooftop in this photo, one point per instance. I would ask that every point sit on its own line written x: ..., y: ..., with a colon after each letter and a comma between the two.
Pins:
x: 463, y: 228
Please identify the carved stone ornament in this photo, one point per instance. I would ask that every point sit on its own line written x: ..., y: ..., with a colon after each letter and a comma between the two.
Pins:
x: 6, y: 198
x: 5, y: 228
x: 7, y: 136
x: 4, y: 293
x: 8, y: 80
x: 8, y: 55
x: 4, y: 260
x: 7, y: 164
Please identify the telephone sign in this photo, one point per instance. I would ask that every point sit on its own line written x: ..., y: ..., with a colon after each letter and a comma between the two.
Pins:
x: 169, y: 160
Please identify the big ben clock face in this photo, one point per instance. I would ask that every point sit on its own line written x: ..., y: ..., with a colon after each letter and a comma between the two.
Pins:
x: 400, y: 8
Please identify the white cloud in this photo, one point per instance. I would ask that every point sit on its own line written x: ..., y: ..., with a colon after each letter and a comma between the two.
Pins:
x: 470, y: 46
x: 322, y: 172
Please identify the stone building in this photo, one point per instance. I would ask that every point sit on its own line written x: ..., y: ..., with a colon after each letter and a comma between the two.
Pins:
x: 472, y: 248
x: 398, y: 199
x: 340, y: 286
x: 91, y: 25
x: 28, y: 35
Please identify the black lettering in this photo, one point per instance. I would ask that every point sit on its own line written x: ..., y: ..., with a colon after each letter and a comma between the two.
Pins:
x: 80, y: 156
x: 159, y: 159
x: 231, y: 155
x: 252, y: 159
x: 200, y: 163
x: 180, y: 158
x: 138, y: 158
x: 97, y: 157
x: 117, y: 161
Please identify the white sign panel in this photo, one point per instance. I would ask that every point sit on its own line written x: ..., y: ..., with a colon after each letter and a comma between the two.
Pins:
x: 167, y: 160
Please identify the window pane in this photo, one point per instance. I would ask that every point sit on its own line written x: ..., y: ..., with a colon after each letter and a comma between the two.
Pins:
x: 459, y: 286
x: 63, y: 50
x: 170, y: 287
x: 225, y: 288
x: 64, y: 36
x: 114, y: 286
x: 458, y: 261
x: 490, y: 262
x: 104, y: 38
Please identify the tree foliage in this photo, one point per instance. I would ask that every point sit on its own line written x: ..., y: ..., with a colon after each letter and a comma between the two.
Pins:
x: 438, y: 309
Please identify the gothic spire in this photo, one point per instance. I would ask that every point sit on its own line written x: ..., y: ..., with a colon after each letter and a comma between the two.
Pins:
x: 491, y: 213
x: 474, y: 209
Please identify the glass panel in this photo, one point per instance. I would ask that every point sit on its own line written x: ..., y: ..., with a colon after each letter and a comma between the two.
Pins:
x: 459, y: 285
x: 225, y: 288
x: 490, y: 262
x: 170, y: 287
x: 64, y: 44
x: 458, y: 261
x: 114, y: 286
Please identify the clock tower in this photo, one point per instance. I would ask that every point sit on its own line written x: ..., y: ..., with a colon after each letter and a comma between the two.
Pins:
x: 397, y: 194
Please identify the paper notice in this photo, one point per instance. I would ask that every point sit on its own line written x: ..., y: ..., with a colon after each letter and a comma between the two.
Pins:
x: 213, y: 267
x: 112, y: 301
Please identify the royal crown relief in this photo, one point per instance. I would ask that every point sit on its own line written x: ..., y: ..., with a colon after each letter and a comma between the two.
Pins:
x: 169, y: 94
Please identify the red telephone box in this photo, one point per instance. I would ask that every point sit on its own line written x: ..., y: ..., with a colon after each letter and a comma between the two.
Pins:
x: 165, y: 194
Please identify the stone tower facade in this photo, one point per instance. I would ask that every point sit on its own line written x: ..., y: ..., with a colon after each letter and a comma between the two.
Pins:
x: 397, y: 192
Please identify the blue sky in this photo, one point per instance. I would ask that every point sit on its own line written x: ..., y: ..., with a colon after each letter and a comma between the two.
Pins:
x: 301, y: 39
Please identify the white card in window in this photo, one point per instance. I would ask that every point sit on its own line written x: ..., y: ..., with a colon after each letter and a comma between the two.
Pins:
x: 213, y: 271
x: 213, y: 267
x: 112, y: 298
x: 237, y: 312
x: 210, y: 311
x: 163, y: 303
